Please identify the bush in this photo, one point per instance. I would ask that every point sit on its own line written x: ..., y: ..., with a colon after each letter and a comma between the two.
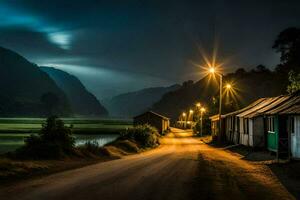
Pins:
x: 91, y: 147
x: 54, y: 141
x: 144, y: 135
x: 206, y: 127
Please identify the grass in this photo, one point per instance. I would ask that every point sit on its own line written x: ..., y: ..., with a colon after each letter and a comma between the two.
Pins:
x: 80, y: 125
x: 15, y: 170
x: 14, y: 130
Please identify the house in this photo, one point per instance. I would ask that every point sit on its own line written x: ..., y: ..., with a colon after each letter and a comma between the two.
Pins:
x: 283, y: 132
x: 232, y: 123
x: 215, y: 124
x: 247, y: 125
x: 273, y: 123
x: 161, y: 123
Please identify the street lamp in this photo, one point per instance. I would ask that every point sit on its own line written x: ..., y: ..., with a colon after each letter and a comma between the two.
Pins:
x: 184, y: 117
x: 213, y: 71
x: 228, y: 86
x: 202, y: 110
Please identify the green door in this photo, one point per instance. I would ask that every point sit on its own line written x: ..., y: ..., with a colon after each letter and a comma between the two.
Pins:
x: 272, y: 127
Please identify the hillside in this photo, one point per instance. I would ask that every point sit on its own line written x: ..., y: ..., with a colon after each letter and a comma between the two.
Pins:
x: 248, y: 87
x: 26, y: 90
x: 83, y: 103
x: 134, y: 103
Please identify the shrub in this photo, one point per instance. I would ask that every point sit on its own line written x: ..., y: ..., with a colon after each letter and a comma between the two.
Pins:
x: 54, y: 141
x: 145, y: 135
x: 206, y: 127
x: 91, y: 147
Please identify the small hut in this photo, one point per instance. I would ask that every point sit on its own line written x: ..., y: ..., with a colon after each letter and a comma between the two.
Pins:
x: 283, y: 135
x: 216, y: 132
x: 232, y: 123
x: 161, y: 123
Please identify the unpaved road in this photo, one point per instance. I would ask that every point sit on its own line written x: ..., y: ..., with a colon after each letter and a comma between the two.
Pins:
x: 182, y: 168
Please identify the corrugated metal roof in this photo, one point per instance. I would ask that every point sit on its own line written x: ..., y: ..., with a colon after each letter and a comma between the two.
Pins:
x: 215, y: 117
x: 295, y: 109
x: 246, y: 108
x: 281, y: 100
x: 286, y: 107
x: 261, y: 105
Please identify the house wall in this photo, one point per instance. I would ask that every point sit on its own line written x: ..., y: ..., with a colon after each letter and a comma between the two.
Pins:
x: 153, y: 120
x: 250, y: 136
x: 258, y: 138
x: 229, y: 128
x: 295, y: 138
x: 214, y: 128
x: 244, y: 137
x: 236, y: 135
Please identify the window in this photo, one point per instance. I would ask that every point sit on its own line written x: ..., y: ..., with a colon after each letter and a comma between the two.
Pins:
x: 271, y: 125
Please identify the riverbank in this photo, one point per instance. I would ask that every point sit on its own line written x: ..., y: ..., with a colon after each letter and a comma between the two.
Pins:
x: 12, y: 170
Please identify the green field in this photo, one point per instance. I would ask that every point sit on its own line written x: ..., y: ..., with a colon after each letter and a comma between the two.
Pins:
x: 79, y: 125
x: 14, y: 130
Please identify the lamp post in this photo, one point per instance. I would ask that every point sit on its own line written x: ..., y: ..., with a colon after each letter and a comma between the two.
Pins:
x: 184, y: 118
x: 202, y: 110
x: 191, y: 116
x: 213, y: 71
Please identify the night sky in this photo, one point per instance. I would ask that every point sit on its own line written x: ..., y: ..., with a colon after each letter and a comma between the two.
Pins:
x: 115, y: 47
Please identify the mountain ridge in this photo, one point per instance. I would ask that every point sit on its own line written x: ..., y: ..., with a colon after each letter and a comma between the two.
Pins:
x: 83, y: 102
x: 23, y: 86
x: 133, y: 103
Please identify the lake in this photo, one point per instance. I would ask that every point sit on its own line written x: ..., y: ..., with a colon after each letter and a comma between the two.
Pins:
x: 11, y: 141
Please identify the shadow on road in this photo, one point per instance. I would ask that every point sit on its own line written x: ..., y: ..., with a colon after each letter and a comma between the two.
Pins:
x: 289, y: 175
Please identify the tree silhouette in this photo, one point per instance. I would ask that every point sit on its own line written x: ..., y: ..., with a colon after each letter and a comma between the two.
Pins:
x: 288, y: 45
x: 294, y: 82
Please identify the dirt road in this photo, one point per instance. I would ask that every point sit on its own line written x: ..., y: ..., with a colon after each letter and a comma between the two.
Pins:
x: 182, y: 168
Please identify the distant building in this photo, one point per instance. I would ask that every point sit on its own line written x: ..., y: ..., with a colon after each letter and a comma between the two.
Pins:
x: 215, y: 124
x: 161, y: 123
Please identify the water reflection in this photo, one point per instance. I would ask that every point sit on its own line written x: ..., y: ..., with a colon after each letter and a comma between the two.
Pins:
x: 10, y: 142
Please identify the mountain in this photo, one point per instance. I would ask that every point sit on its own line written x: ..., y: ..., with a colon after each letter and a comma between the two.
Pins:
x: 26, y: 91
x: 134, y: 103
x: 83, y: 103
x: 248, y: 86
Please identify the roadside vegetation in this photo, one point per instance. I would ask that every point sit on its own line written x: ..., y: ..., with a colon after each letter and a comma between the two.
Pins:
x: 53, y: 149
x: 133, y: 140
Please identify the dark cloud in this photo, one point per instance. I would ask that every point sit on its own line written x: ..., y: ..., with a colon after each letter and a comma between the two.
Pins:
x: 143, y: 43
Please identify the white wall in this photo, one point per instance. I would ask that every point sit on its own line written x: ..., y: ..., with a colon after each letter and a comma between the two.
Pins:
x: 244, y: 138
x: 295, y: 139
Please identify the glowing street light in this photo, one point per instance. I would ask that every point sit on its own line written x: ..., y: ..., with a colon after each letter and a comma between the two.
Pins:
x: 202, y: 110
x: 213, y: 71
x: 184, y: 118
x: 228, y: 86
x: 191, y: 111
x: 198, y: 105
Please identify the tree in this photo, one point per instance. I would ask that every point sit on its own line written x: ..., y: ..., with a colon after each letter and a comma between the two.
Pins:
x: 261, y: 69
x: 54, y: 141
x: 288, y: 45
x: 294, y: 80
x: 50, y: 101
